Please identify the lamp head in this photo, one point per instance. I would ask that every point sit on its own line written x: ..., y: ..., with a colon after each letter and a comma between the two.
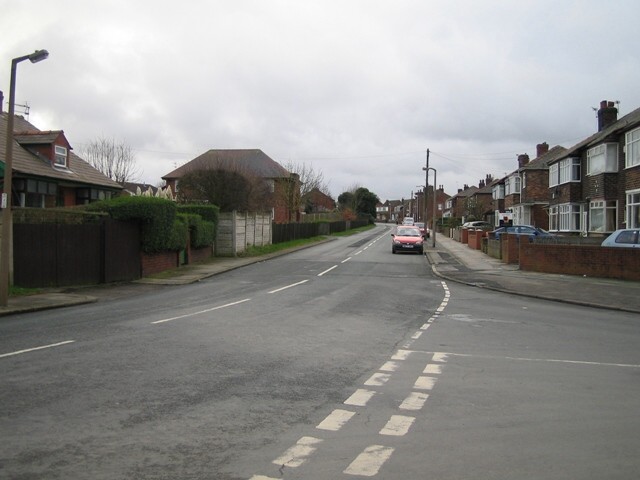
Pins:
x: 38, y: 56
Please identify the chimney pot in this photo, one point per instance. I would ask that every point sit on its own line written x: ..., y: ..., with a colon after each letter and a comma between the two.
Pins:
x: 523, y: 159
x: 607, y: 115
x: 541, y: 149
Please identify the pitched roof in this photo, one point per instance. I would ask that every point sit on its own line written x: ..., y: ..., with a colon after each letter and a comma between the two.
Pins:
x: 28, y: 162
x: 252, y: 160
x: 542, y: 162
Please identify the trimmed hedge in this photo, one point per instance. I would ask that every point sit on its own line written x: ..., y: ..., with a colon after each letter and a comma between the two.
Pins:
x: 157, y: 216
x: 209, y: 213
x: 202, y: 232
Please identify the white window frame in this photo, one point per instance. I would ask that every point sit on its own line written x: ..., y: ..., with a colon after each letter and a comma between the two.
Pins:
x: 512, y: 185
x: 632, y: 211
x: 569, y: 170
x: 603, y: 215
x: 553, y: 175
x: 602, y: 159
x: 60, y: 156
x: 497, y: 192
x: 565, y: 217
x: 632, y: 149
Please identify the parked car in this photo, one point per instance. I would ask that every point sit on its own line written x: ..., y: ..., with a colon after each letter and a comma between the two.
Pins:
x: 424, y: 230
x: 626, y: 237
x: 407, y: 239
x: 407, y: 221
x: 527, y: 230
x: 478, y: 225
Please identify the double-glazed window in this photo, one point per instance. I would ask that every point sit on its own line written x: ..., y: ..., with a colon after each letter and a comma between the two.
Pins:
x: 632, y: 149
x: 603, y: 215
x: 602, y: 159
x: 512, y: 185
x: 633, y: 209
x: 60, y: 157
x: 497, y: 192
x: 565, y: 218
x: 565, y: 171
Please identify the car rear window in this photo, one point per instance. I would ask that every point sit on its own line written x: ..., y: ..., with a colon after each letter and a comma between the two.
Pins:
x: 627, y: 236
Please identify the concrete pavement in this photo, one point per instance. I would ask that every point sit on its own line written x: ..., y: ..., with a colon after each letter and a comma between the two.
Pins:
x: 450, y: 260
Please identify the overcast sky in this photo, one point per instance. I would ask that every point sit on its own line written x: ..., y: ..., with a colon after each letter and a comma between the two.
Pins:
x: 357, y: 89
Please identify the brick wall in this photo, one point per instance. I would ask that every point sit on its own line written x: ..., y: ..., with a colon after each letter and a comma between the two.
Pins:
x: 200, y: 254
x: 592, y: 261
x: 158, y: 262
x: 475, y: 239
x: 510, y: 248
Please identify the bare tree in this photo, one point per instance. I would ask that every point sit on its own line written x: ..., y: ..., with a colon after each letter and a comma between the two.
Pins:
x: 303, y: 180
x: 227, y: 186
x: 114, y: 159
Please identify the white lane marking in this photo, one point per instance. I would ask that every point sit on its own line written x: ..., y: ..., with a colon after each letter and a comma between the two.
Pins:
x: 262, y: 477
x: 346, y: 260
x: 425, y: 326
x: 440, y: 357
x: 27, y: 350
x: 547, y: 360
x: 358, y: 252
x: 424, y: 383
x: 415, y: 401
x: 397, y: 426
x: 377, y: 379
x: 201, y: 311
x: 360, y: 397
x: 368, y: 463
x: 297, y: 455
x: 327, y: 270
x: 433, y: 369
x: 288, y: 286
x: 389, y: 367
x: 401, y: 355
x: 416, y: 335
x: 335, y: 420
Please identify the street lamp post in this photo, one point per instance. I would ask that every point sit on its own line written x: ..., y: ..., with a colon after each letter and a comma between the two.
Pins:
x: 7, y: 220
x: 435, y: 201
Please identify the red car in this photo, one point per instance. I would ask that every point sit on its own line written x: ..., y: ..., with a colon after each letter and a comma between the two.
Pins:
x: 407, y: 239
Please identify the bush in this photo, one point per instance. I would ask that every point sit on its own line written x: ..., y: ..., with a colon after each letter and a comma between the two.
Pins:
x: 202, y: 232
x: 207, y: 212
x: 157, y: 217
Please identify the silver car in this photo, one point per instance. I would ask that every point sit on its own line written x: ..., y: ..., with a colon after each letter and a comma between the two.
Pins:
x: 627, y: 237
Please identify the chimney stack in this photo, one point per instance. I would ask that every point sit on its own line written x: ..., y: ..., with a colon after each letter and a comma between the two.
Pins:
x: 523, y: 159
x: 481, y: 184
x: 607, y: 115
x: 1, y: 100
x: 541, y: 149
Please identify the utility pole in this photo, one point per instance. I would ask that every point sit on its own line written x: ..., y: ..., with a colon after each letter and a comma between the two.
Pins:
x: 426, y: 190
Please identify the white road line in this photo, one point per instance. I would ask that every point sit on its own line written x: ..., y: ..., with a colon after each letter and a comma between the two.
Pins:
x: 425, y: 326
x: 401, y: 355
x: 358, y: 252
x: 327, y: 270
x: 335, y: 420
x: 389, y: 367
x: 424, y: 383
x: 368, y: 463
x: 201, y: 311
x: 415, y: 401
x: 433, y: 369
x: 397, y: 426
x: 298, y: 454
x: 377, y: 379
x: 27, y: 350
x: 262, y: 477
x: 416, y: 335
x: 288, y: 286
x: 546, y: 360
x: 440, y: 357
x: 346, y: 260
x: 360, y: 397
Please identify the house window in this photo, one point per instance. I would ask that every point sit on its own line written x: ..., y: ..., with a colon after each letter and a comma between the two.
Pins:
x: 569, y: 170
x: 553, y: 175
x: 60, y: 159
x: 565, y: 218
x: 498, y: 192
x: 633, y: 209
x: 603, y: 215
x: 512, y: 185
x: 632, y: 149
x: 602, y: 159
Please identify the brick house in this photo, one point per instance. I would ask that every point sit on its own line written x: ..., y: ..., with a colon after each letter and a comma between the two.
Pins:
x: 317, y: 201
x: 527, y: 191
x: 383, y: 211
x: 46, y: 173
x: 594, y: 187
x: 457, y: 206
x: 284, y: 202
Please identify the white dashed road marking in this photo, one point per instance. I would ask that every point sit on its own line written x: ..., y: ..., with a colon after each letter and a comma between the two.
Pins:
x: 360, y: 397
x: 424, y: 383
x: 433, y: 369
x: 398, y: 425
x: 368, y: 463
x: 377, y: 379
x: 36, y: 348
x: 336, y: 420
x: 296, y: 455
x: 415, y: 401
x: 201, y: 311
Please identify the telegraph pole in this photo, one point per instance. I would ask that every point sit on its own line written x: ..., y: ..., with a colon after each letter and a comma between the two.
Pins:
x: 426, y: 190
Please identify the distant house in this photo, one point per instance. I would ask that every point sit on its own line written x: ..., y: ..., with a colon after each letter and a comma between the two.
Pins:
x: 284, y: 186
x: 46, y: 173
x: 317, y: 201
x: 457, y: 206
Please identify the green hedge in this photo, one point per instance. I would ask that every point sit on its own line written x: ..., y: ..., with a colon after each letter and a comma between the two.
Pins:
x: 157, y: 216
x: 209, y: 213
x: 203, y: 232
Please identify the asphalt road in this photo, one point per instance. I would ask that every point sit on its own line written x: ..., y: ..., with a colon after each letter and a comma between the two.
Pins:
x: 339, y: 361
